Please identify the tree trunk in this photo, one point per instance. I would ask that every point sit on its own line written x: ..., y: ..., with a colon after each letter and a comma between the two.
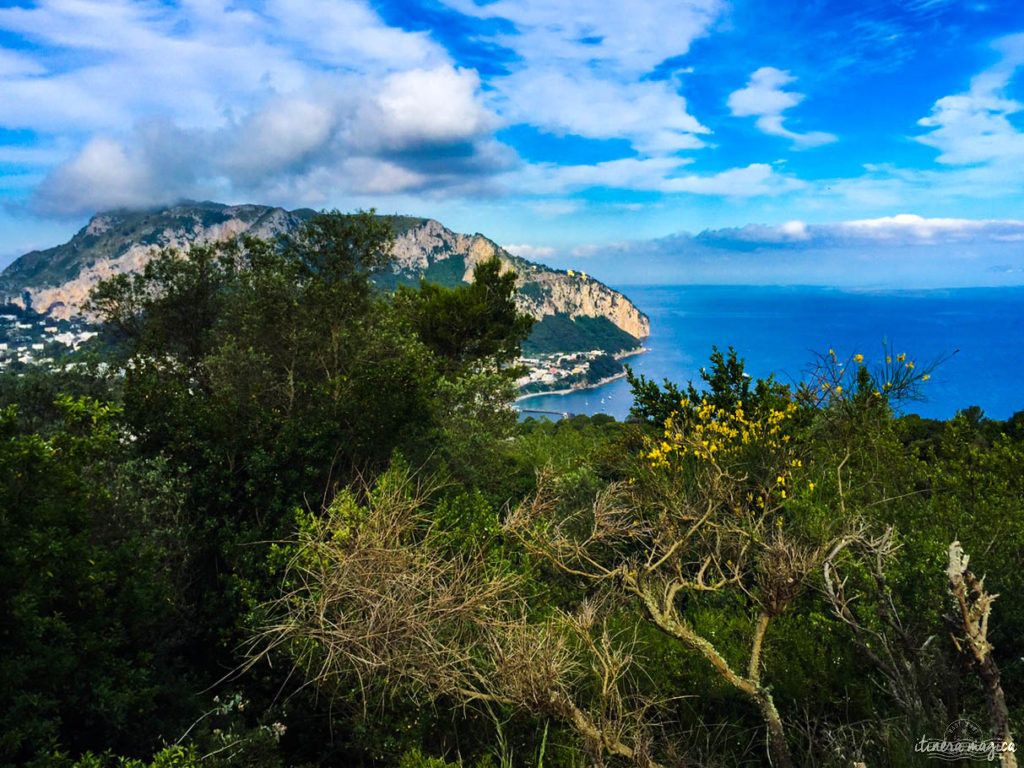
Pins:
x: 975, y: 606
x: 777, y: 746
x: 1000, y: 716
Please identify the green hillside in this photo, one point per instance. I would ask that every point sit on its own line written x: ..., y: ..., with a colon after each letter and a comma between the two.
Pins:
x: 561, y: 333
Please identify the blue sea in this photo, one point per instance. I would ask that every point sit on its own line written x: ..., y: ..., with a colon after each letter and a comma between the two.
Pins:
x: 779, y: 329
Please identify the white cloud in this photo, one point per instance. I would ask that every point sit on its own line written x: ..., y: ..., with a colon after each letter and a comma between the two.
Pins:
x: 980, y: 151
x: 763, y: 94
x: 104, y: 166
x: 910, y: 228
x: 311, y: 101
x: 342, y: 32
x: 439, y: 105
x: 906, y: 251
x: 530, y: 252
x: 627, y: 36
x: 650, y: 114
x: 752, y: 181
x: 280, y: 134
x: 44, y: 155
x: 319, y: 102
x: 580, y: 66
x: 974, y: 127
x: 555, y: 208
x: 14, y: 64
x: 658, y: 174
x: 901, y: 229
x: 764, y: 98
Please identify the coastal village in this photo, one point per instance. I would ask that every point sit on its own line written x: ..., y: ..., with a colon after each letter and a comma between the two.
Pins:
x: 564, y: 372
x: 29, y: 338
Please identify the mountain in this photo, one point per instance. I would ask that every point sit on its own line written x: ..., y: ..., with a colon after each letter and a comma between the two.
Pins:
x: 57, y: 280
x: 575, y: 313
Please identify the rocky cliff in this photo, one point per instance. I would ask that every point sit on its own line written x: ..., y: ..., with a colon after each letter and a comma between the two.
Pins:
x: 543, y: 292
x: 56, y: 281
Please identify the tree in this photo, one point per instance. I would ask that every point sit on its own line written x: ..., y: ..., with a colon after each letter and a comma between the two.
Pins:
x: 725, y: 384
x: 735, y: 507
x: 974, y: 609
x: 266, y: 371
x: 90, y: 612
x: 713, y: 519
x: 471, y: 323
x: 293, y: 378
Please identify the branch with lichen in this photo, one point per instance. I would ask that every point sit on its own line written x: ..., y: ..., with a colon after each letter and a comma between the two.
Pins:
x: 974, y: 607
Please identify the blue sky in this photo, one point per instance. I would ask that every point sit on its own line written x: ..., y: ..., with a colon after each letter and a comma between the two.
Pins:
x: 794, y: 135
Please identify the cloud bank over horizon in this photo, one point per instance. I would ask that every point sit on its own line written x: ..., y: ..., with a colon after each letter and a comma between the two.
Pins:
x: 902, y: 251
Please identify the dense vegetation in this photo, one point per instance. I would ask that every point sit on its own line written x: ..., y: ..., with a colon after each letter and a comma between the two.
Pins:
x: 560, y: 333
x: 278, y: 518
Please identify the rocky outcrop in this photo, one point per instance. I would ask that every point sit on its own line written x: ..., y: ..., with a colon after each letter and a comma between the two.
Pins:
x: 581, y: 296
x: 59, y: 279
x: 543, y: 291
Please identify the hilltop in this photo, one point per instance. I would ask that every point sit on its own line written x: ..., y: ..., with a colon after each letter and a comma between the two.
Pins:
x: 575, y: 313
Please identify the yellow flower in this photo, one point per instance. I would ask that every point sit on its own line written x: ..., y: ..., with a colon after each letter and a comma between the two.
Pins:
x: 888, y: 359
x: 839, y: 390
x: 910, y: 365
x: 925, y: 377
x: 810, y: 486
x: 902, y: 356
x: 858, y: 358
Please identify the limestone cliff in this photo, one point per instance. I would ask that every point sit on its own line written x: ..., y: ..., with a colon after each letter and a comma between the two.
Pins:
x: 58, y: 280
x: 542, y: 291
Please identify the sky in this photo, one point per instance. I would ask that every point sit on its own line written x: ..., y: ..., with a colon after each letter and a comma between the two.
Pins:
x: 870, y: 143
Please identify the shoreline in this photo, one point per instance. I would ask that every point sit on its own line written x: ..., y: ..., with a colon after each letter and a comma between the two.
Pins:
x: 592, y: 385
x: 578, y: 388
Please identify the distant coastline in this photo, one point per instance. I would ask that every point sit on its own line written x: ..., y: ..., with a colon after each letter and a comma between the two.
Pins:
x: 575, y: 388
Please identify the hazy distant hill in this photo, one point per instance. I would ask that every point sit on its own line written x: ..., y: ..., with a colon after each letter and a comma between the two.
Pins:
x: 576, y: 312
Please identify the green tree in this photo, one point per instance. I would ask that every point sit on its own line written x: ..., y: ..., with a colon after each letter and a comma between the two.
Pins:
x: 725, y: 384
x: 89, y: 611
x: 471, y: 323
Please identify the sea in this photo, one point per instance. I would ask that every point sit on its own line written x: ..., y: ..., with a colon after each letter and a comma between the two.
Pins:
x: 977, y: 334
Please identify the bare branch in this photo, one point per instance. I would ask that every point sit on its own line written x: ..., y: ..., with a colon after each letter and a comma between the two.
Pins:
x: 377, y: 593
x: 975, y: 606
